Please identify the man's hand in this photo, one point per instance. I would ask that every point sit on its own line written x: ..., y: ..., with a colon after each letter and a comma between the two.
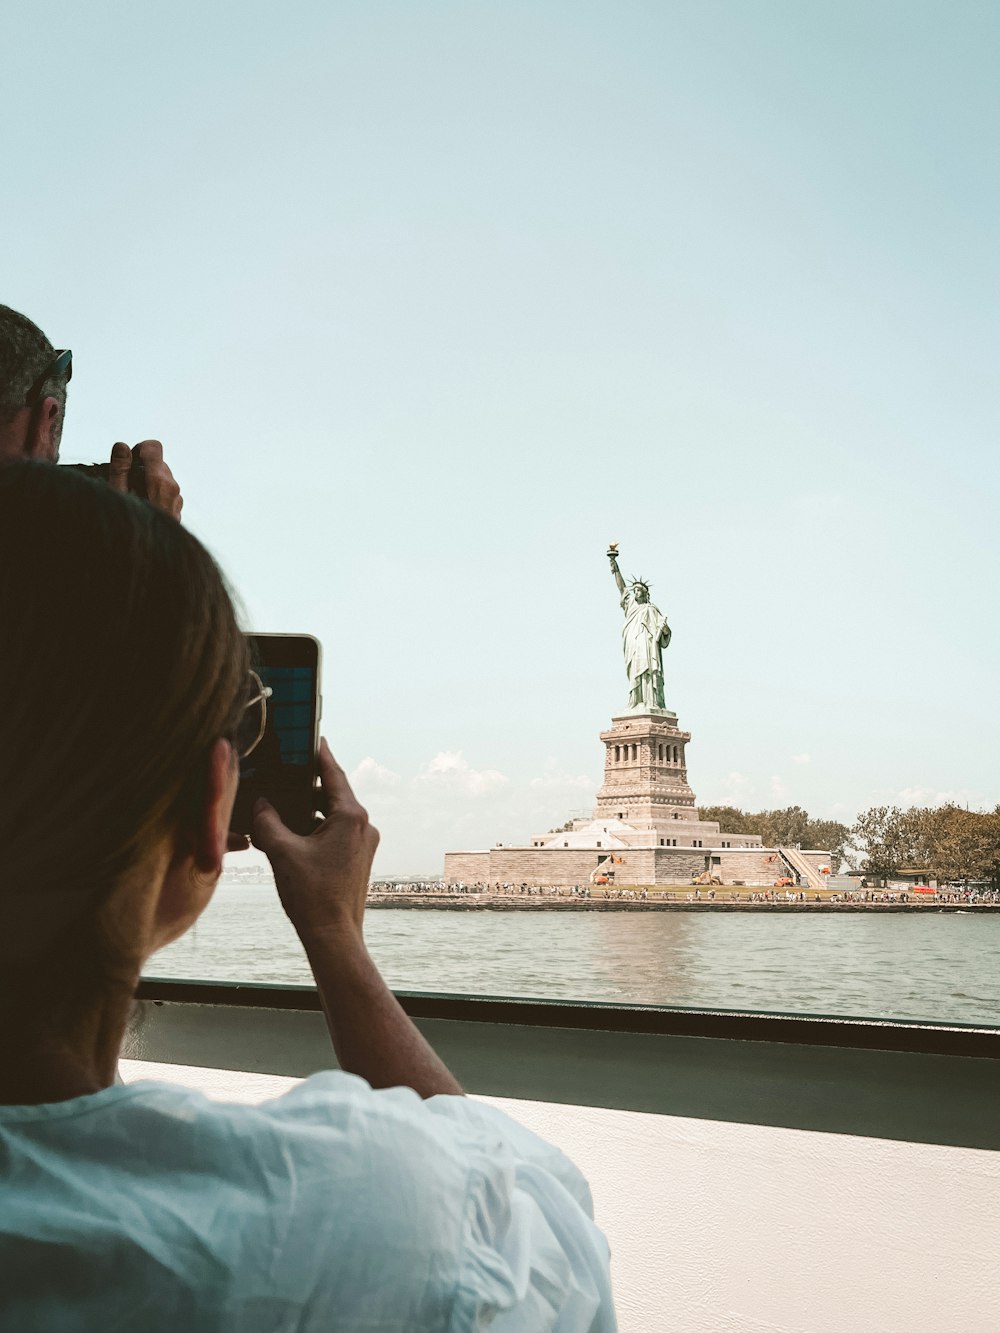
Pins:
x: 322, y: 879
x: 161, y: 489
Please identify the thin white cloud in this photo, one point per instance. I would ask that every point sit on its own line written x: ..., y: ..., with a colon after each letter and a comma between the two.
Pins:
x: 555, y: 780
x: 451, y: 769
x: 800, y: 758
x: 778, y: 788
x: 449, y: 805
x: 736, y: 788
x: 927, y: 796
x: 370, y: 773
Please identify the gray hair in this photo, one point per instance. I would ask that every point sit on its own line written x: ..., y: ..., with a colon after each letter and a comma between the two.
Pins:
x: 24, y: 354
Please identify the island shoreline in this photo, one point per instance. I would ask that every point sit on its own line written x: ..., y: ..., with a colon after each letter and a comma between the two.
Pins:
x: 553, y: 903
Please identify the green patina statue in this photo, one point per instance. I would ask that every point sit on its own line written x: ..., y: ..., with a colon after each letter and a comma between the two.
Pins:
x: 645, y: 634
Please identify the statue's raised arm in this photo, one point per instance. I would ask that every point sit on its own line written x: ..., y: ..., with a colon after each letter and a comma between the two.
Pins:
x: 613, y: 557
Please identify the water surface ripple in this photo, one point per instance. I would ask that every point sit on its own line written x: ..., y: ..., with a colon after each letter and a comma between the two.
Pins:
x: 940, y: 967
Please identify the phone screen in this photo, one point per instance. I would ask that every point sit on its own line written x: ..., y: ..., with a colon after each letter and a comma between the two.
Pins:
x: 282, y: 766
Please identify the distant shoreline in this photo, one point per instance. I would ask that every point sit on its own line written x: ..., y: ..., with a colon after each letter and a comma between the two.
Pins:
x: 441, y: 902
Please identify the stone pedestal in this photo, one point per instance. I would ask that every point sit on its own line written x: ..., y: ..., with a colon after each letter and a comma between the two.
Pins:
x: 645, y: 770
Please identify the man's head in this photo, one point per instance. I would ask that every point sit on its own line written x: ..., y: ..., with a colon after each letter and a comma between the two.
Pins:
x: 32, y: 390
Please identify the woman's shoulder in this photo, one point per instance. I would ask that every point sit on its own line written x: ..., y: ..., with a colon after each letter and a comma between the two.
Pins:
x: 327, y: 1120
x: 370, y: 1171
x: 322, y: 1112
x: 332, y: 1157
x: 332, y: 1112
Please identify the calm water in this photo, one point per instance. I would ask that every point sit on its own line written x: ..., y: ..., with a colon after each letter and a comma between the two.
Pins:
x: 937, y: 966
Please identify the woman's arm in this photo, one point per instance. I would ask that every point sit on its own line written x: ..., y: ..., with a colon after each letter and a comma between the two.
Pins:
x: 322, y: 881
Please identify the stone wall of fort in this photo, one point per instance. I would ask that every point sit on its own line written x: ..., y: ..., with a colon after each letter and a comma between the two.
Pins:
x: 466, y: 867
x: 752, y: 867
x: 758, y: 867
x: 637, y: 865
x: 676, y: 865
x: 572, y: 865
x: 548, y: 865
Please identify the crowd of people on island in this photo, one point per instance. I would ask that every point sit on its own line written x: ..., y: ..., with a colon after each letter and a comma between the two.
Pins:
x: 967, y: 895
x: 964, y: 894
x: 602, y: 893
x: 441, y: 887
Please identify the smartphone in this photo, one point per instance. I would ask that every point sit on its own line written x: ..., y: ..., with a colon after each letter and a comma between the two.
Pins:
x: 282, y: 766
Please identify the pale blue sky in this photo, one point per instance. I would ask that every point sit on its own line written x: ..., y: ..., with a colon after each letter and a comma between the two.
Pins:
x: 430, y: 301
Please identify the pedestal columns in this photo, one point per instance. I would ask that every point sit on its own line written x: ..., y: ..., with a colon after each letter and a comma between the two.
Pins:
x: 645, y: 770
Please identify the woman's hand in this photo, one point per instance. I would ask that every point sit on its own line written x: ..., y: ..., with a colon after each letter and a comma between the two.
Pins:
x: 322, y: 881
x: 322, y: 878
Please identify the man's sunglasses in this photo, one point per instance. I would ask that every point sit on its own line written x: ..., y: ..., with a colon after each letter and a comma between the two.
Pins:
x: 60, y: 369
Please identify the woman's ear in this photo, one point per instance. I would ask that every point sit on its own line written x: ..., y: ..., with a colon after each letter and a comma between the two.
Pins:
x: 199, y: 846
x: 210, y: 830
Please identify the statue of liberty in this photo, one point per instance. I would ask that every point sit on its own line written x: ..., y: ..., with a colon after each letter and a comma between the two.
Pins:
x: 645, y: 634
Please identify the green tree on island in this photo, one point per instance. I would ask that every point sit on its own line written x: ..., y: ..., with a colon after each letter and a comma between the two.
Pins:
x: 959, y: 844
x: 789, y: 827
x: 947, y: 843
x: 887, y: 839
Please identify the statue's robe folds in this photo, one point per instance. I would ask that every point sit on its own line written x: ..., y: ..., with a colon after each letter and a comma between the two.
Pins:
x: 644, y: 635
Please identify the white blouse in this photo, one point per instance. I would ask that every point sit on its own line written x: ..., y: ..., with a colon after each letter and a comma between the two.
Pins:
x: 332, y: 1209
